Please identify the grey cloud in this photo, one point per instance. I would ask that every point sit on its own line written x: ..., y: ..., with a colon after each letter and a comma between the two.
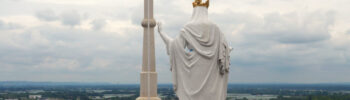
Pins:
x: 98, y: 23
x: 9, y: 25
x: 71, y: 17
x: 47, y: 15
x: 292, y: 27
x: 17, y: 0
x: 67, y: 17
x: 73, y: 51
x: 136, y: 16
x: 2, y: 24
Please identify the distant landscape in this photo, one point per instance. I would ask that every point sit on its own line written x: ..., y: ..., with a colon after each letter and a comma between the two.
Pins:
x: 24, y: 90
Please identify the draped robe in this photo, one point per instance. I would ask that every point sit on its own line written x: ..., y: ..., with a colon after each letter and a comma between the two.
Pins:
x: 201, y: 72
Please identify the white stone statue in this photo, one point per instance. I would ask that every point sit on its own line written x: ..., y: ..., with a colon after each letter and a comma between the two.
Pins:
x: 199, y: 58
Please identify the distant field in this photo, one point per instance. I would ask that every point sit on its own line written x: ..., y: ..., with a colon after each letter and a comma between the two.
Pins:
x: 102, y: 91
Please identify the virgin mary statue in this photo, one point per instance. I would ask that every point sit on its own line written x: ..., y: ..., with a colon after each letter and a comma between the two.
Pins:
x: 199, y: 58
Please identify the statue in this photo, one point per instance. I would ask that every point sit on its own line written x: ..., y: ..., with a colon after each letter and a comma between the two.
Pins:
x: 199, y: 57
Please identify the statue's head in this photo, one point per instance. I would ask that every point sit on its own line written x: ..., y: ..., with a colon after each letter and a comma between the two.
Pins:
x: 199, y: 3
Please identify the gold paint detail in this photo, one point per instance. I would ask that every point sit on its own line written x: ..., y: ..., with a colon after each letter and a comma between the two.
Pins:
x: 199, y: 3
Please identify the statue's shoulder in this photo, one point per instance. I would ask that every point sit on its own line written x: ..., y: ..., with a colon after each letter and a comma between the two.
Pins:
x: 195, y: 24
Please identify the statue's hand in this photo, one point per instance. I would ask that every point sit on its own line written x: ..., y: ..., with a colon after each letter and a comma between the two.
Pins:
x: 164, y: 36
x: 159, y: 24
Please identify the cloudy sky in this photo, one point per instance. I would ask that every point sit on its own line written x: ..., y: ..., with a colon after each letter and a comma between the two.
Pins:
x: 275, y: 41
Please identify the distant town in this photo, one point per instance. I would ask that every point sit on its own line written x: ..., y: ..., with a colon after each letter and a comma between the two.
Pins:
x: 103, y: 91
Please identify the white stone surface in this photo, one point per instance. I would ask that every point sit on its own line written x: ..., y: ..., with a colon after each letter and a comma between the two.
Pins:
x: 148, y: 76
x: 201, y: 71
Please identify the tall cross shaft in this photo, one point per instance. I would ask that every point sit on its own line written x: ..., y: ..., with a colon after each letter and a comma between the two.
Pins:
x: 148, y: 77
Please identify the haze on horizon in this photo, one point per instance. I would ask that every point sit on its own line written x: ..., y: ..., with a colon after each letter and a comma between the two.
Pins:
x: 274, y: 41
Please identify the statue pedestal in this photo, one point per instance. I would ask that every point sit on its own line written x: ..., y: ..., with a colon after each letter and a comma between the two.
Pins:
x: 148, y: 86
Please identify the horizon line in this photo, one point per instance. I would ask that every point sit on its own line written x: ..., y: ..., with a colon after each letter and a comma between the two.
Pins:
x: 119, y: 83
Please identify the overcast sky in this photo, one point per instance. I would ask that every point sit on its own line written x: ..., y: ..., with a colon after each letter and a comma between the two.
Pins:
x: 274, y: 41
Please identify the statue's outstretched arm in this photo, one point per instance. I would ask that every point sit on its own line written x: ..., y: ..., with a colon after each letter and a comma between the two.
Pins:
x: 164, y: 36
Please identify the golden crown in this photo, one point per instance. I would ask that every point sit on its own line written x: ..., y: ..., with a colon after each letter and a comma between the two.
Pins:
x: 199, y: 3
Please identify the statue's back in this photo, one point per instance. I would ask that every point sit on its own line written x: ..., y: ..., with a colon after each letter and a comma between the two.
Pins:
x: 200, y: 73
